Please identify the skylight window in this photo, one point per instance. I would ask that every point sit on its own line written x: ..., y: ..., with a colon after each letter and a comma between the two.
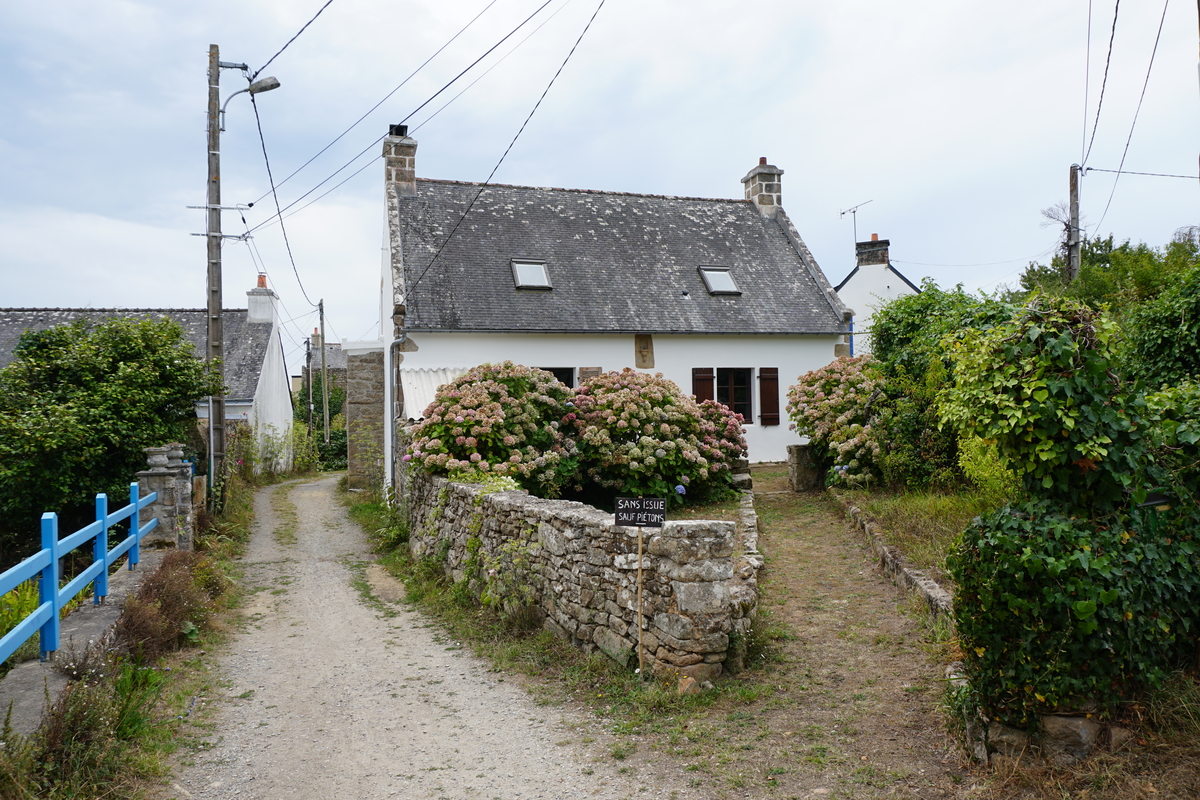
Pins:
x: 529, y: 274
x: 719, y: 280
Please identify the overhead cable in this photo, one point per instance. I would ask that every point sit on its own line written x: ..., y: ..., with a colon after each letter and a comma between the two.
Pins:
x: 1104, y: 83
x: 1137, y: 111
x: 384, y: 100
x: 369, y: 147
x: 289, y: 41
x: 408, y: 290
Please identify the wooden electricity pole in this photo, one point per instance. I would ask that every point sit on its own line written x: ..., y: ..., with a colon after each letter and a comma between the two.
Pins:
x: 216, y: 347
x: 1073, y: 238
x: 324, y: 373
x: 308, y: 380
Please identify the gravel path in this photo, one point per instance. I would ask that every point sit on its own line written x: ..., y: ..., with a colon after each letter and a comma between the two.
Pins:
x: 330, y: 696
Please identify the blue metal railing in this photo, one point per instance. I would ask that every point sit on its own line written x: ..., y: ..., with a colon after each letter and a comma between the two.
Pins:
x: 45, y: 563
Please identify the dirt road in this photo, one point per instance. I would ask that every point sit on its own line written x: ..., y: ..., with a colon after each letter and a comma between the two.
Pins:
x: 329, y: 695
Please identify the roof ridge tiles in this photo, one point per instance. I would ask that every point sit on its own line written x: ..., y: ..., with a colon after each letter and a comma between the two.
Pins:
x: 581, y: 191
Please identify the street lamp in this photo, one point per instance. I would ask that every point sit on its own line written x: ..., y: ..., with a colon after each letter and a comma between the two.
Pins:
x: 216, y: 345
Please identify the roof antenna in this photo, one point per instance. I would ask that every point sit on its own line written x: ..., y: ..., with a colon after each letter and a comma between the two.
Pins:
x: 853, y: 212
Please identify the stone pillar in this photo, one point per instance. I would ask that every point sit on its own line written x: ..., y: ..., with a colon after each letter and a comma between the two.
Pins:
x: 364, y: 418
x: 171, y: 478
x: 400, y: 161
x: 803, y: 474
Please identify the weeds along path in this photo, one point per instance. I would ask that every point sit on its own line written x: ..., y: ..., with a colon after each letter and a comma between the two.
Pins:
x: 331, y: 691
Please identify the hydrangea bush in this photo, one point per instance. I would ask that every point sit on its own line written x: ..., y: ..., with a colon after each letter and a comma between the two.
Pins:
x: 833, y: 407
x: 638, y: 434
x: 499, y: 419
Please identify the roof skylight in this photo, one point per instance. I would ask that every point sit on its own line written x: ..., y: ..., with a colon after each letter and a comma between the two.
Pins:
x: 719, y: 280
x: 529, y: 274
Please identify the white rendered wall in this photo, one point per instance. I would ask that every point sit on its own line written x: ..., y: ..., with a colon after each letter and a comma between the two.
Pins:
x: 674, y: 357
x: 273, y: 399
x: 868, y: 289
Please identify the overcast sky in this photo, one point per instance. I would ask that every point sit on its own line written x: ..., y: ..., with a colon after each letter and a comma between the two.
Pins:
x: 957, y: 121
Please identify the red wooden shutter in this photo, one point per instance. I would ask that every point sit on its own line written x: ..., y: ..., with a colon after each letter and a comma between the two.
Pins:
x: 703, y: 384
x: 768, y: 395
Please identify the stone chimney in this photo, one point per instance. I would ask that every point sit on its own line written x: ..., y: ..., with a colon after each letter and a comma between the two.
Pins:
x: 872, y: 252
x: 400, y: 161
x: 315, y: 340
x: 762, y: 186
x: 260, y: 302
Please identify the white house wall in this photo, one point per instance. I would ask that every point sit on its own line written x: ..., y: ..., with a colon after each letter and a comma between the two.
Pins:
x: 273, y: 400
x: 864, y: 293
x: 674, y: 356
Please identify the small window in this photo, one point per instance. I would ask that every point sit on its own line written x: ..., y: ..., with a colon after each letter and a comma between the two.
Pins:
x: 530, y: 274
x: 719, y: 280
x: 564, y: 375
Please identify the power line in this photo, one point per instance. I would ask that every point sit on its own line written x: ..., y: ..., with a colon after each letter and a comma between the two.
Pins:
x: 1135, y: 113
x: 414, y: 111
x: 1104, y: 83
x: 384, y: 100
x: 1087, y: 76
x: 263, y: 141
x: 359, y: 171
x: 289, y: 41
x: 1149, y: 174
x: 409, y: 289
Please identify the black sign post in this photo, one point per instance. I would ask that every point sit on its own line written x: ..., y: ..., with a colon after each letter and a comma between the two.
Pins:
x: 641, y: 512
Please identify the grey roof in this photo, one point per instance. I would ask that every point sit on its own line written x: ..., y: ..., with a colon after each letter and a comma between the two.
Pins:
x: 617, y: 263
x: 245, y: 342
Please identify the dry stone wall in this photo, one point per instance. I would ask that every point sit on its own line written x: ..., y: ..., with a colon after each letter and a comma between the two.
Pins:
x: 699, y: 579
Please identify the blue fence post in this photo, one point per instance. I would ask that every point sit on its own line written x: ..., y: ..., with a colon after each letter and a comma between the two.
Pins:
x: 100, y: 550
x: 49, y: 584
x: 135, y: 522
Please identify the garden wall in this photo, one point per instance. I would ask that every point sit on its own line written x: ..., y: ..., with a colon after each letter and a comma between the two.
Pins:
x: 700, y: 589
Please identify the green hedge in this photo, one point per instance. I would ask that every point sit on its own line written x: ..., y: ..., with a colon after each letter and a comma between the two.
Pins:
x: 1056, y: 612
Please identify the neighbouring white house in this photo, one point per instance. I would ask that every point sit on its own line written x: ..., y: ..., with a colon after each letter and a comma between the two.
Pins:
x: 873, y: 282
x: 255, y: 373
x: 721, y: 296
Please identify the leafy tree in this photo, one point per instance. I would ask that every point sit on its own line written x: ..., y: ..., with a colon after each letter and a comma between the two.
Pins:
x: 77, y: 406
x: 1115, y: 275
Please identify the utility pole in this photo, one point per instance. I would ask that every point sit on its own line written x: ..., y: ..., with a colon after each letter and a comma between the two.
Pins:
x: 216, y: 345
x: 324, y: 373
x: 308, y: 380
x: 1073, y: 238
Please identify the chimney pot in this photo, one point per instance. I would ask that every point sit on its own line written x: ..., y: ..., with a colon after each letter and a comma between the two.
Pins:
x: 398, y: 130
x: 262, y: 281
x: 874, y: 237
x: 762, y: 161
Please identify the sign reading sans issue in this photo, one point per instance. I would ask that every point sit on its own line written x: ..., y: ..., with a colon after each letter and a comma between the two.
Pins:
x: 642, y: 512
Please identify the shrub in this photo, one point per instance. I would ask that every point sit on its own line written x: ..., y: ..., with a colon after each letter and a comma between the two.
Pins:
x: 1041, y: 388
x: 916, y: 451
x: 834, y: 407
x: 501, y: 419
x: 1053, y: 612
x: 638, y: 434
x: 1162, y: 339
x: 170, y: 605
x: 982, y: 465
x: 1173, y: 440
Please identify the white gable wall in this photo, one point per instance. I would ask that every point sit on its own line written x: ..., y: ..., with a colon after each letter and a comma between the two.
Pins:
x: 674, y: 356
x: 864, y: 292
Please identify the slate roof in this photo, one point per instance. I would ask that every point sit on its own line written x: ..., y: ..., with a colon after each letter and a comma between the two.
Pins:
x: 245, y: 342
x: 617, y: 263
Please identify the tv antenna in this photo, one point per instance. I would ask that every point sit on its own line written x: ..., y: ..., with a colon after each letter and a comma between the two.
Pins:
x: 853, y: 212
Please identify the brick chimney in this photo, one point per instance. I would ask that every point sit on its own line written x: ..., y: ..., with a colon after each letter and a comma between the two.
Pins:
x: 400, y: 161
x: 872, y: 252
x: 260, y: 302
x: 762, y: 187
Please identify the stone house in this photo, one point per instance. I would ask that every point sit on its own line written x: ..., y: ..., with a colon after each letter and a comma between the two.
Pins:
x: 721, y: 296
x: 873, y: 282
x: 255, y: 373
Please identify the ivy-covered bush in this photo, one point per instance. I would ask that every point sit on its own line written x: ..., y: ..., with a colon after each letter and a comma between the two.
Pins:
x: 1173, y: 446
x: 1162, y: 336
x: 834, y: 406
x: 916, y: 451
x: 1041, y: 387
x: 499, y: 419
x: 1056, y: 612
x: 638, y: 434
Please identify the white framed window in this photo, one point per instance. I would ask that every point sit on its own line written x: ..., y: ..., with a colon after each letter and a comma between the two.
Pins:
x: 719, y: 280
x: 530, y: 274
